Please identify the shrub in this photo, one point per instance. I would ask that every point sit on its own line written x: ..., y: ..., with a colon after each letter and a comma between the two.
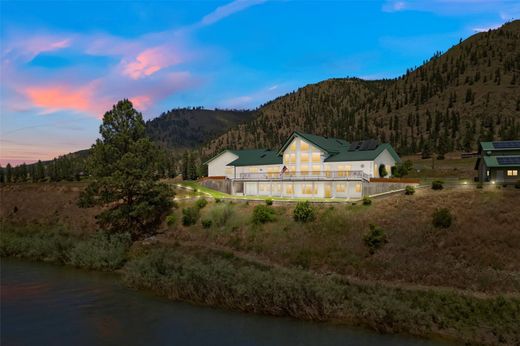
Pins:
x: 190, y: 216
x: 221, y: 214
x: 206, y: 223
x: 382, y: 171
x: 517, y: 184
x: 375, y: 238
x: 218, y: 200
x: 442, y: 218
x: 367, y: 200
x: 269, y: 201
x: 437, y: 185
x: 171, y: 220
x: 101, y: 252
x: 409, y: 190
x: 262, y: 214
x: 402, y: 169
x: 304, y: 212
x: 201, y: 203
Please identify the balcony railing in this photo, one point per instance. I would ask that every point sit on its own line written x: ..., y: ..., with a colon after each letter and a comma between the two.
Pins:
x: 306, y: 175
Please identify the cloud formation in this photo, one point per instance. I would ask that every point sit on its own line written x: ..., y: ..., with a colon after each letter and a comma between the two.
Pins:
x: 224, y: 11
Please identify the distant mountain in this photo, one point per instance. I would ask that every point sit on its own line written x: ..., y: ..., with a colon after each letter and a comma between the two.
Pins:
x: 470, y: 92
x: 189, y: 128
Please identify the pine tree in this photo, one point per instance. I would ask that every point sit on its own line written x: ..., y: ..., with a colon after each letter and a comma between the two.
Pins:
x: 8, y: 173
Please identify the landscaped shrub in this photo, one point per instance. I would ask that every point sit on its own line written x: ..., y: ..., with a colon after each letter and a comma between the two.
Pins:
x: 409, y: 190
x: 201, y: 203
x: 367, y: 200
x: 190, y: 216
x: 218, y: 200
x: 206, y: 223
x: 101, y: 252
x: 442, y: 218
x: 304, y: 212
x: 221, y: 213
x: 171, y: 220
x: 437, y: 185
x: 382, y: 171
x: 375, y: 238
x: 262, y: 214
x: 269, y: 201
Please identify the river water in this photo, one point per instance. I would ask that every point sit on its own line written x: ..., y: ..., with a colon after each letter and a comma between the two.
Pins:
x: 43, y: 304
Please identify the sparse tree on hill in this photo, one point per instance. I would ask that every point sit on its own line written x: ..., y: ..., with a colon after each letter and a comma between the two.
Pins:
x: 8, y: 173
x: 124, y: 166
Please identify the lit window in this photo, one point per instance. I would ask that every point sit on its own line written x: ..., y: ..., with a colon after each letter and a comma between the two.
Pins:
x: 304, y: 146
x: 307, y: 189
x: 358, y: 187
x: 316, y: 169
x: 286, y: 158
x: 344, y: 170
x: 293, y: 146
x: 289, y: 189
x: 304, y: 157
x: 376, y: 170
x: 512, y: 173
x: 487, y: 173
x: 277, y: 188
x: 316, y: 157
x: 253, y: 169
x: 327, y: 171
x: 292, y: 158
x: 304, y: 170
x: 340, y: 188
x: 263, y: 187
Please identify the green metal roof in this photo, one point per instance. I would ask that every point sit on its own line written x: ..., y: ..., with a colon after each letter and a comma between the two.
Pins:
x: 328, y: 144
x: 256, y: 157
x: 363, y: 155
x: 486, y: 146
x: 492, y: 162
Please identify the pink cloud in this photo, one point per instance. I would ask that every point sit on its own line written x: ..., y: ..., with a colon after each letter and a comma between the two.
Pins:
x: 150, y: 61
x: 141, y: 102
x: 25, y: 49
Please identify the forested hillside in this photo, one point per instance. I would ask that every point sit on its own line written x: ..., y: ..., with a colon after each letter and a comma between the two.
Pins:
x: 469, y: 93
x: 188, y: 128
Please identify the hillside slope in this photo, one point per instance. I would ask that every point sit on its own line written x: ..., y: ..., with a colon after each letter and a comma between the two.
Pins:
x: 188, y: 128
x: 470, y: 92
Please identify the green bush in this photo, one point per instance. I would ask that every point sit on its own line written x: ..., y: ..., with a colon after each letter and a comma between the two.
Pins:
x: 262, y: 214
x: 221, y: 213
x: 382, y: 171
x: 304, y: 212
x: 206, y: 223
x: 218, y: 200
x: 190, y: 216
x: 437, y: 185
x: 409, y: 190
x: 375, y: 238
x: 101, y: 252
x: 442, y: 218
x: 201, y: 203
x: 367, y: 200
x: 171, y: 220
x: 269, y: 201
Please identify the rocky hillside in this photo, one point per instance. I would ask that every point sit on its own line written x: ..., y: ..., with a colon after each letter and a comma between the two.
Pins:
x: 469, y: 93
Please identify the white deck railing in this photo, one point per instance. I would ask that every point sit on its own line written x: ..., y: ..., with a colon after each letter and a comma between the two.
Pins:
x: 306, y: 175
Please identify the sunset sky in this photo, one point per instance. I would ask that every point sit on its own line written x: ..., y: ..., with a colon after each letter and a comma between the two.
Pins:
x: 65, y: 63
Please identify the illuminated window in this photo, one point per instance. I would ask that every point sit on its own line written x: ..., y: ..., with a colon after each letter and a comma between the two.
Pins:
x: 229, y: 170
x: 358, y: 187
x: 487, y: 173
x: 273, y: 171
x: 293, y: 146
x: 305, y: 170
x: 344, y: 170
x: 277, y: 188
x: 340, y: 188
x: 304, y: 157
x: 253, y: 169
x: 316, y: 169
x: 290, y: 170
x: 512, y: 173
x: 289, y: 189
x: 376, y: 170
x: 292, y: 158
x: 304, y: 146
x: 307, y: 189
x: 316, y: 157
x: 327, y: 171
x: 286, y: 158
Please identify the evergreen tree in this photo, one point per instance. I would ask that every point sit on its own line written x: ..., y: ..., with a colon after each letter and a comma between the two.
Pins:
x: 124, y: 166
x: 8, y: 173
x: 40, y: 171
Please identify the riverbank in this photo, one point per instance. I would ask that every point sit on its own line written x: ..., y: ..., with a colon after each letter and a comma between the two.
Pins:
x: 221, y: 279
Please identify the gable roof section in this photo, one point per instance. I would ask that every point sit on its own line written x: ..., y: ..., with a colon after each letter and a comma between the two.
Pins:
x: 219, y: 154
x: 329, y: 145
x: 256, y: 157
x: 500, y: 145
x: 363, y: 155
x: 498, y: 161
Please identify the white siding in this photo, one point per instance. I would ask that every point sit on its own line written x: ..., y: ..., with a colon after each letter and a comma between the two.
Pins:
x: 383, y: 159
x: 217, y: 167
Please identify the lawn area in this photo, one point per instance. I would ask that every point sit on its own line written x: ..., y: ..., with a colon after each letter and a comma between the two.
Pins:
x: 451, y: 167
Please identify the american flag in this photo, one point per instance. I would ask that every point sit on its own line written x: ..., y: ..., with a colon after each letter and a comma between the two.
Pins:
x: 284, y: 169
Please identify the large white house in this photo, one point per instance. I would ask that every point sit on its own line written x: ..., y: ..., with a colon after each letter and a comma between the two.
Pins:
x: 305, y: 166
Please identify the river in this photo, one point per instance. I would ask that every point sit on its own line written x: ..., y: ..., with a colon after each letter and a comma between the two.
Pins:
x: 43, y: 304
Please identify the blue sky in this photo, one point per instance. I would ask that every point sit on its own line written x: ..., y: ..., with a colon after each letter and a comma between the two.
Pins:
x: 65, y: 63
